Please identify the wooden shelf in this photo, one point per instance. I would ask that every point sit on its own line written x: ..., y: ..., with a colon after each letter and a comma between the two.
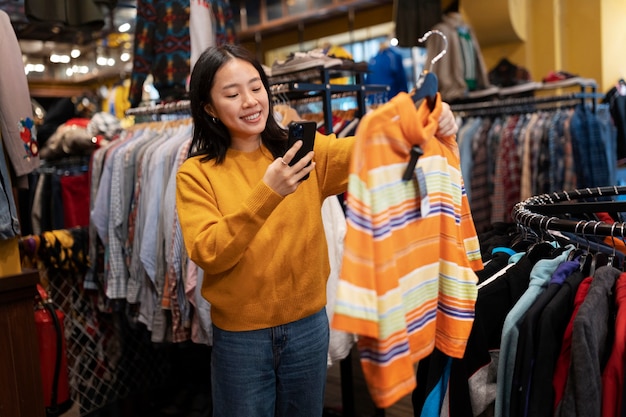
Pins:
x: 20, y: 373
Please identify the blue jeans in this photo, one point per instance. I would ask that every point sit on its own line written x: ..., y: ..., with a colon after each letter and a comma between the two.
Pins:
x: 275, y: 372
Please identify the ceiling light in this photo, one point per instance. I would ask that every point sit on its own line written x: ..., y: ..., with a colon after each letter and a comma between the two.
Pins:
x: 80, y: 69
x: 125, y: 56
x: 59, y: 59
x: 75, y: 53
x: 34, y: 68
x: 124, y: 27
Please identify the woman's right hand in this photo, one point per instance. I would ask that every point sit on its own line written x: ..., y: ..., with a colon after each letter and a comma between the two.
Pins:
x: 284, y: 179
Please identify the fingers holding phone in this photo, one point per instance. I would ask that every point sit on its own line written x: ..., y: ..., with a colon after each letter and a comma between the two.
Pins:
x: 298, y: 166
x: 303, y: 131
x: 287, y: 172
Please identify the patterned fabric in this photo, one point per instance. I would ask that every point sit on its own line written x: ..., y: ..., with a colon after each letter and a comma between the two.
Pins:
x: 407, y: 283
x: 570, y: 178
x: 95, y: 170
x: 117, y: 272
x: 103, y: 123
x: 162, y: 48
x: 507, y: 175
x: 224, y: 22
x: 480, y: 204
x: 592, y: 163
x: 526, y: 144
x: 63, y: 250
x: 174, y: 296
x: 556, y: 146
x: 16, y: 111
x: 542, y: 183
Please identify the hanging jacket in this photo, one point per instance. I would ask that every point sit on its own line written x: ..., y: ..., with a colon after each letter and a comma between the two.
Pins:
x: 454, y: 69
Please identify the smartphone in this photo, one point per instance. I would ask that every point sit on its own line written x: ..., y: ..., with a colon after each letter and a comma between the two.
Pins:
x: 304, y: 131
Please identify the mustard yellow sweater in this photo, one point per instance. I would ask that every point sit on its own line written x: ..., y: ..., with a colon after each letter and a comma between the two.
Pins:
x: 264, y: 257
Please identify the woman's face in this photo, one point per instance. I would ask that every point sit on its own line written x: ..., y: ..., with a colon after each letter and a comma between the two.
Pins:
x: 240, y: 101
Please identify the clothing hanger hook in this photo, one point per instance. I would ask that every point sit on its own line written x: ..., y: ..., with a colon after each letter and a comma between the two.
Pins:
x: 440, y: 54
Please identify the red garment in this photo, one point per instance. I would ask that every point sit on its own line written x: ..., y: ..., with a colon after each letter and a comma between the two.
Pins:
x: 613, y: 374
x: 565, y: 356
x: 77, y: 121
x: 75, y: 196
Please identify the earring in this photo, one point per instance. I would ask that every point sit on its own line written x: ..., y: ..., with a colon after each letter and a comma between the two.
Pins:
x: 215, y: 119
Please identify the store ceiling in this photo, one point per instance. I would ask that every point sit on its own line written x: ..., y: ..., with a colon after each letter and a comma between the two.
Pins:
x: 39, y: 37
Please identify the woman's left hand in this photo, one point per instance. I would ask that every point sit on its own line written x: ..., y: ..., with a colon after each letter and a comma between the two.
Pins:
x: 447, y: 122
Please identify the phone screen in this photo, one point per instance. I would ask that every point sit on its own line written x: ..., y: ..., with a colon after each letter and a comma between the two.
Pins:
x: 305, y: 131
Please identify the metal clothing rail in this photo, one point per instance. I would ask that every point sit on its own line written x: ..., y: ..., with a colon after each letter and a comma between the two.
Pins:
x: 308, y: 82
x: 524, y: 103
x: 181, y: 106
x: 505, y: 104
x: 555, y: 211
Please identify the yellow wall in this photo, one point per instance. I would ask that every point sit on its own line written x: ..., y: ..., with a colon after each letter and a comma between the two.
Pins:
x: 614, y: 40
x: 578, y: 36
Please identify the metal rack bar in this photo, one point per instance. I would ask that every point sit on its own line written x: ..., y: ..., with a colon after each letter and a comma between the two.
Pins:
x: 527, y: 212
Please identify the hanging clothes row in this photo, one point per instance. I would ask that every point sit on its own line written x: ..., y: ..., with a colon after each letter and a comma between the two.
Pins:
x: 59, y: 198
x: 548, y: 334
x: 135, y: 234
x: 133, y: 217
x: 507, y: 157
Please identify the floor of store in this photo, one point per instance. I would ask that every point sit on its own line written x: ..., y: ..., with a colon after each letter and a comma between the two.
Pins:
x: 191, y: 402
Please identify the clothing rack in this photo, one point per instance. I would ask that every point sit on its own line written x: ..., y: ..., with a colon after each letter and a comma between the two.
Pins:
x: 561, y: 211
x: 504, y: 104
x: 299, y: 90
x: 317, y: 82
x: 180, y: 106
x: 61, y: 166
x: 525, y: 104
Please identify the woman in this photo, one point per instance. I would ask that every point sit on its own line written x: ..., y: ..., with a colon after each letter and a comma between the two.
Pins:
x: 255, y: 228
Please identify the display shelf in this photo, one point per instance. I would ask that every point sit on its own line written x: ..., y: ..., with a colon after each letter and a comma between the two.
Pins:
x: 20, y: 373
x: 317, y: 82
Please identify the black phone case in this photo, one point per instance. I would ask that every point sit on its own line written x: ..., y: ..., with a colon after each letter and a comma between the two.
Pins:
x: 305, y: 131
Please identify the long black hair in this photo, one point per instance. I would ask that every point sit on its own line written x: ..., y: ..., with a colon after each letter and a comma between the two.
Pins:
x: 210, y: 137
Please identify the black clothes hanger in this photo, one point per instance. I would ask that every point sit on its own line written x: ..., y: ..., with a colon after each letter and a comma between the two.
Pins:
x: 427, y: 84
x: 426, y: 88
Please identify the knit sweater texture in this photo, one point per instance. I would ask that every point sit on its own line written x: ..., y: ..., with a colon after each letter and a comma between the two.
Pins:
x: 264, y: 257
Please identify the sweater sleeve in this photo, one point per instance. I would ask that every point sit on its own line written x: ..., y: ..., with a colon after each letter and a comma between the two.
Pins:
x: 332, y: 158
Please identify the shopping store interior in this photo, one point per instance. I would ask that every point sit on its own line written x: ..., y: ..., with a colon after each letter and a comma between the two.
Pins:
x: 505, y: 68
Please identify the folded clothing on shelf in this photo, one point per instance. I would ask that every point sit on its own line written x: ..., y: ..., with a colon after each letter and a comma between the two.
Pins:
x: 298, y: 61
x: 558, y: 76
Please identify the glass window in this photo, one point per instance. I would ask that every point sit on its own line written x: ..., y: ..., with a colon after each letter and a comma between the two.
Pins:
x: 274, y: 9
x: 321, y: 3
x: 253, y: 13
x: 296, y: 6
